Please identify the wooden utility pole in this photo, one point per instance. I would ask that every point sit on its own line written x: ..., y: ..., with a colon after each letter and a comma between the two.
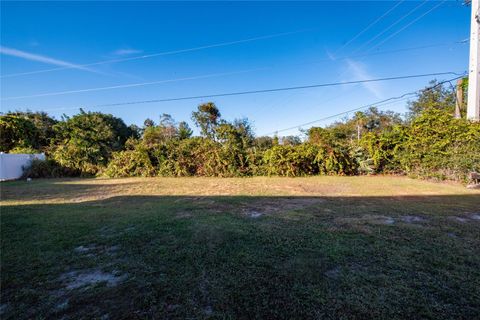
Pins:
x: 459, y: 99
x: 473, y: 103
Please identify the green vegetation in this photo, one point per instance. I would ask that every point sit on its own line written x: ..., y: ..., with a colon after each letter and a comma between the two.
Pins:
x: 239, y: 248
x: 428, y: 142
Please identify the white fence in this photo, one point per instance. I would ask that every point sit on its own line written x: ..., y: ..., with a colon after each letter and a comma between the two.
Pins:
x: 11, y: 165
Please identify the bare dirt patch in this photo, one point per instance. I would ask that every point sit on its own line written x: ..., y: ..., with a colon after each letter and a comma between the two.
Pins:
x: 475, y: 216
x: 252, y: 207
x: 92, y: 249
x: 255, y: 214
x: 466, y: 219
x: 78, y: 279
x: 263, y: 207
x: 183, y: 214
x: 363, y: 223
x: 412, y: 219
x: 368, y: 219
x: 85, y: 249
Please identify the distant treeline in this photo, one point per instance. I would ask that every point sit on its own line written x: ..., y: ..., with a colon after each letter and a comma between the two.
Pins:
x: 427, y: 142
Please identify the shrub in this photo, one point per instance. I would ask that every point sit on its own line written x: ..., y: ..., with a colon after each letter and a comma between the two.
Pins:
x: 17, y: 132
x: 48, y: 169
x: 438, y: 145
x: 87, y: 140
x: 130, y: 163
x: 331, y: 161
x: 24, y: 150
x: 376, y: 151
x: 291, y: 161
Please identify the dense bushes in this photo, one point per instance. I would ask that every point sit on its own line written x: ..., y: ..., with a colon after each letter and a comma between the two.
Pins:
x: 134, y: 162
x: 49, y: 169
x: 438, y: 145
x: 429, y: 143
x: 86, y: 141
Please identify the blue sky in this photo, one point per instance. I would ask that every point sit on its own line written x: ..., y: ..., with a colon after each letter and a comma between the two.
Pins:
x: 298, y: 43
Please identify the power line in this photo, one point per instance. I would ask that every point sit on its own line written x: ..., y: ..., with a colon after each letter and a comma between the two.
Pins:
x: 214, y: 95
x: 124, y: 86
x: 369, y: 26
x: 408, y: 25
x: 215, y: 45
x: 377, y: 103
x: 391, y: 26
x: 213, y: 75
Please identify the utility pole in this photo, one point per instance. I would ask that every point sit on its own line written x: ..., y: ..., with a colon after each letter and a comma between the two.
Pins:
x: 473, y: 103
x: 459, y: 99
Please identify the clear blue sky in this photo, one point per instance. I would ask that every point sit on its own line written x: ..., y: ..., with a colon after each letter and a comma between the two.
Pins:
x: 38, y: 36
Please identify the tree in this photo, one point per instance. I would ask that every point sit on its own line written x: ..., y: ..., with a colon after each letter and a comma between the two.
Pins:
x: 360, y: 120
x: 207, y: 119
x: 263, y: 143
x: 43, y: 124
x: 86, y: 141
x: 148, y: 123
x: 184, y: 131
x: 164, y: 132
x: 17, y: 132
x: 291, y: 140
x: 134, y: 131
x: 434, y: 96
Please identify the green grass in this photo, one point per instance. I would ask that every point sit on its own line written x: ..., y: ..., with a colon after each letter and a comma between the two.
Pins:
x: 320, y: 248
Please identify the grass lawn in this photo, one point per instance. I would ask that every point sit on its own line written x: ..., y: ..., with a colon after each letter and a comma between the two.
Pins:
x: 251, y: 248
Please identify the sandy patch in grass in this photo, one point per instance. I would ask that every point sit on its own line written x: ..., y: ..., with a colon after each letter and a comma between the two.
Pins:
x: 256, y: 209
x: 92, y: 250
x: 85, y: 249
x: 251, y: 207
x: 255, y: 214
x: 475, y: 216
x: 364, y: 223
x: 78, y: 279
x: 412, y: 219
x: 466, y: 218
x: 367, y: 219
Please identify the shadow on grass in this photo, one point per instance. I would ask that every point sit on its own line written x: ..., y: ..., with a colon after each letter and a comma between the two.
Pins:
x: 242, y: 257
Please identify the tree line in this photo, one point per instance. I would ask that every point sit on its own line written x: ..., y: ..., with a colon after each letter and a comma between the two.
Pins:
x: 428, y: 142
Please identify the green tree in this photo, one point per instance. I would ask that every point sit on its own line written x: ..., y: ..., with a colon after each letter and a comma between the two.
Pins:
x: 165, y: 131
x: 435, y: 96
x: 43, y: 124
x: 86, y: 141
x: 291, y: 140
x: 184, y: 131
x: 17, y: 132
x: 134, y: 131
x: 207, y: 119
x: 263, y: 143
x: 148, y: 123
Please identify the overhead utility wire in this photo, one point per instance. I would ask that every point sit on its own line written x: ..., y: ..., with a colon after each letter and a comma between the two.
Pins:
x: 214, y: 75
x: 369, y: 26
x: 214, y: 95
x: 377, y: 103
x: 165, y: 53
x: 131, y: 85
x: 391, y: 26
x: 408, y: 25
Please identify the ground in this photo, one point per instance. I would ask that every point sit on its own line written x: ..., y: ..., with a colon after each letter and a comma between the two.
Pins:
x: 251, y: 248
